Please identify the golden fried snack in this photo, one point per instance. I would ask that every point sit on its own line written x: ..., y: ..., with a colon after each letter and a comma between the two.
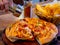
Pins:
x: 28, y: 28
x: 40, y: 9
x: 48, y: 12
x: 19, y: 30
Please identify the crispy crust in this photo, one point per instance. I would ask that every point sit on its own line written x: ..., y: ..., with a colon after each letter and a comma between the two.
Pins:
x: 51, y: 34
x: 42, y: 30
x: 19, y: 31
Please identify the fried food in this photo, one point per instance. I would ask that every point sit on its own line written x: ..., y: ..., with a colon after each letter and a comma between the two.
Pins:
x: 49, y: 10
x: 19, y: 30
x: 28, y: 28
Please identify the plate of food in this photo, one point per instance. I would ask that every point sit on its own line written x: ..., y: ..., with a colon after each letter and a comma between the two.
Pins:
x: 31, y: 29
x: 48, y: 11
